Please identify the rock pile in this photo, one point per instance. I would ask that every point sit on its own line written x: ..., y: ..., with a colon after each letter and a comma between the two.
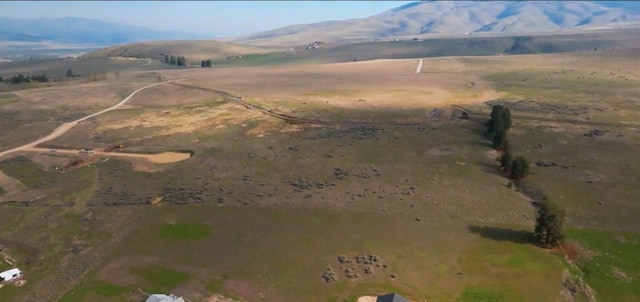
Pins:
x: 353, y: 268
x: 539, y: 107
x: 305, y: 184
x: 595, y: 133
x: 356, y: 133
x: 545, y: 163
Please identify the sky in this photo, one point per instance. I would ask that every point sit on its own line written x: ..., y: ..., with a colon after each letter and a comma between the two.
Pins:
x: 208, y: 18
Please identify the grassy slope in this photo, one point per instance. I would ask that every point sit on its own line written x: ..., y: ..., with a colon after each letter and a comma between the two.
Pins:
x: 194, y: 51
x: 268, y: 238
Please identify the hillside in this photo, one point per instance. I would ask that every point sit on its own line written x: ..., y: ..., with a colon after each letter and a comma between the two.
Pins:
x: 446, y: 18
x: 193, y: 50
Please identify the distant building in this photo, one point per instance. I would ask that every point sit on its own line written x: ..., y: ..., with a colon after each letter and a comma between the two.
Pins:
x: 164, y: 298
x: 11, y: 274
x: 392, y: 297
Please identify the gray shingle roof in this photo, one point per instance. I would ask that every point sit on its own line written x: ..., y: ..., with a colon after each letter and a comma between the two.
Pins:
x: 391, y: 297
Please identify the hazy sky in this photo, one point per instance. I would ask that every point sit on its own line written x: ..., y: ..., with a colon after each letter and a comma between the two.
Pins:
x: 211, y: 18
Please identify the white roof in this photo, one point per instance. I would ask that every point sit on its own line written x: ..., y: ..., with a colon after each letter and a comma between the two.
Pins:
x: 7, y: 275
x: 164, y: 298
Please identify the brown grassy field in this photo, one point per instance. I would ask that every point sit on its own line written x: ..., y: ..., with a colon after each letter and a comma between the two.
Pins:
x: 264, y: 206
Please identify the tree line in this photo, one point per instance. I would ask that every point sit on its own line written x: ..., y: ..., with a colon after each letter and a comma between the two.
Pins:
x: 206, y: 63
x: 20, y: 78
x: 497, y: 127
x: 550, y: 216
x: 177, y: 61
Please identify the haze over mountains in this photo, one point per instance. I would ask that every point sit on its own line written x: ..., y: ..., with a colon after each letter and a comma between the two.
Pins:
x: 442, y: 18
x: 30, y: 33
x: 415, y: 19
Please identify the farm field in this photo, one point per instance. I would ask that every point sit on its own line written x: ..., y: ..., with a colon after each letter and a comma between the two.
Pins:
x: 293, y: 166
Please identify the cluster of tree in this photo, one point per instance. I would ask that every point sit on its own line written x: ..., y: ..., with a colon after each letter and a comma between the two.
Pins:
x: 549, y: 220
x: 206, y: 63
x: 20, y: 78
x: 173, y: 60
x: 497, y: 127
x: 517, y: 168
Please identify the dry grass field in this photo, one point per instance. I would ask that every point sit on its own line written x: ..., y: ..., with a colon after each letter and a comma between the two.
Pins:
x: 266, y: 206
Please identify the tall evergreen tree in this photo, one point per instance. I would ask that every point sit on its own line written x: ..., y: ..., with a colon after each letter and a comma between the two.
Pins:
x: 173, y: 60
x: 549, y: 221
x: 166, y: 59
x: 69, y: 73
x: 208, y: 63
x: 500, y: 121
x: 500, y: 141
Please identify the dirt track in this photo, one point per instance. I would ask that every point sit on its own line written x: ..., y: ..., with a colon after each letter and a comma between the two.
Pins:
x: 62, y: 129
x: 297, y: 119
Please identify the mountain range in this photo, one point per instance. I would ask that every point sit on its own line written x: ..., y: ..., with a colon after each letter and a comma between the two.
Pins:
x: 446, y: 18
x: 80, y: 32
x: 422, y: 19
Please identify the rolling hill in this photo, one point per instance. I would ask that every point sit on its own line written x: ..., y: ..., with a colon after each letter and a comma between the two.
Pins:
x: 193, y: 50
x: 447, y: 18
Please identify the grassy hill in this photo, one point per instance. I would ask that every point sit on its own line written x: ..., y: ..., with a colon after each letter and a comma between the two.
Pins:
x: 194, y: 50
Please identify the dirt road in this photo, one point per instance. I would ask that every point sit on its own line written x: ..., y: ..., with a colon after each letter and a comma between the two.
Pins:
x: 62, y: 129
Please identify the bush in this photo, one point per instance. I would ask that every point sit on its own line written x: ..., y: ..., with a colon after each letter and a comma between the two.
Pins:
x: 506, y: 162
x: 519, y: 168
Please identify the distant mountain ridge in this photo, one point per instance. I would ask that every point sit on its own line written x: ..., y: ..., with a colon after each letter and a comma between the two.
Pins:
x: 78, y: 31
x: 443, y: 18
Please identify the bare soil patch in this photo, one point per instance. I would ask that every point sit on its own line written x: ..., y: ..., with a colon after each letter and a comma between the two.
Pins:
x: 220, y: 298
x: 442, y: 150
x: 343, y: 84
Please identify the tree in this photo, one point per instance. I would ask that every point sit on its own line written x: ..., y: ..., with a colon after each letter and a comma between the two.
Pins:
x: 506, y: 162
x: 69, y: 73
x: 173, y: 60
x: 202, y: 63
x: 519, y: 168
x: 181, y: 61
x: 208, y: 63
x: 166, y: 59
x: 500, y: 141
x: 465, y: 115
x: 548, y: 230
x: 500, y: 121
x: 1, y: 79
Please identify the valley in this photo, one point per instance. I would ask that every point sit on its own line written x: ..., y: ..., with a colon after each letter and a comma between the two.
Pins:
x: 336, y: 173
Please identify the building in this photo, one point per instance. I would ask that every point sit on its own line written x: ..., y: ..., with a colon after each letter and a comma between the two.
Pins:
x: 11, y: 274
x: 164, y: 298
x: 392, y: 297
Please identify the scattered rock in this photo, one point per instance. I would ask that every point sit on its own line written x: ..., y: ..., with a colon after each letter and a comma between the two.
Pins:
x: 596, y: 133
x: 545, y: 163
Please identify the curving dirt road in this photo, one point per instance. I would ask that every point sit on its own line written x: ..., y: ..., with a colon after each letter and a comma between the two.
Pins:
x: 62, y: 129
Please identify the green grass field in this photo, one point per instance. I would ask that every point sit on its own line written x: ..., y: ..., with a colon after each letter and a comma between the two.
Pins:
x: 260, y: 217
